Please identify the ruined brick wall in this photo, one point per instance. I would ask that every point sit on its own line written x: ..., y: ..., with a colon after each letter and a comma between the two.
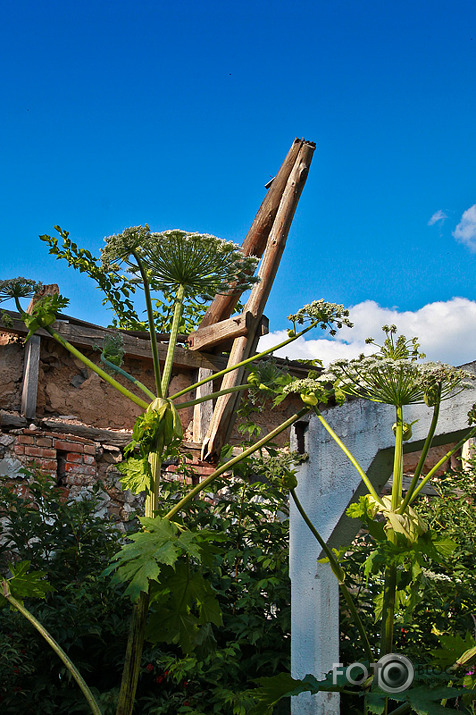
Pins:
x: 77, y: 464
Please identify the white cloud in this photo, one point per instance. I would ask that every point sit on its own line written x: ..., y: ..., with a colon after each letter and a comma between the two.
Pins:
x: 465, y: 231
x: 446, y: 331
x: 437, y: 216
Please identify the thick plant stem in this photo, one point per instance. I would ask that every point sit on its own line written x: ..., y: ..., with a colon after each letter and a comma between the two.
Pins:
x: 439, y: 464
x: 339, y: 574
x: 244, y: 362
x: 211, y: 396
x: 55, y: 646
x: 135, y: 644
x: 131, y: 378
x: 152, y: 499
x: 95, y: 368
x: 227, y: 466
x: 398, y: 460
x: 388, y: 609
x: 173, y: 339
x: 150, y: 318
x: 349, y: 455
x: 422, y: 460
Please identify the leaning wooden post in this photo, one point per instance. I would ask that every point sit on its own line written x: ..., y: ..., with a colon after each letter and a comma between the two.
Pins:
x: 31, y: 365
x: 255, y: 240
x: 224, y: 413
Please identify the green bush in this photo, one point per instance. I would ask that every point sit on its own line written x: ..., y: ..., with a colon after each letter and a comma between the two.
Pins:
x: 89, y: 617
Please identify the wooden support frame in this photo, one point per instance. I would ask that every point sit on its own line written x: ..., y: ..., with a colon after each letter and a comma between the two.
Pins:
x: 256, y: 239
x: 224, y: 414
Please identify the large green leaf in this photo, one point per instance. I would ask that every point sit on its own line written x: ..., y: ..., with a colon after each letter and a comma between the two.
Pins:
x: 23, y: 584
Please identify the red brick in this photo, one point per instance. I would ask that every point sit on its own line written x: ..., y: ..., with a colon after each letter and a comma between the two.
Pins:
x: 48, y: 453
x: 76, y: 468
x: 68, y: 446
x: 204, y: 471
x: 49, y: 465
x: 44, y: 441
x: 89, y: 449
x: 88, y: 471
x: 89, y: 459
x: 26, y: 439
x: 74, y: 457
x: 33, y: 451
x: 19, y: 449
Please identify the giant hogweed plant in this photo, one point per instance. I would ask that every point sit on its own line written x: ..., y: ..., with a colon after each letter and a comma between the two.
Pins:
x: 161, y: 562
x: 402, y: 539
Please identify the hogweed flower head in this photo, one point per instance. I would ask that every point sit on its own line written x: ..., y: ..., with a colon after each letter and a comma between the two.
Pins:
x: 394, y: 375
x: 330, y: 316
x: 203, y: 264
x: 18, y: 288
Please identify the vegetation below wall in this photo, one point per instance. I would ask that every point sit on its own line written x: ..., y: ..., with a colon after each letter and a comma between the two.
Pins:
x: 87, y: 614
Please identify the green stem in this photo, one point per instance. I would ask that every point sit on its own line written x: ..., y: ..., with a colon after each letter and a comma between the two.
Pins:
x: 131, y: 378
x: 422, y: 460
x: 150, y: 317
x: 55, y: 646
x: 120, y: 388
x: 388, y: 609
x: 135, y: 644
x: 405, y: 708
x: 439, y: 464
x: 152, y: 499
x: 211, y: 396
x: 339, y: 574
x: 398, y: 460
x: 136, y: 634
x: 135, y: 641
x: 245, y: 362
x: 349, y: 455
x: 227, y: 465
x: 173, y: 338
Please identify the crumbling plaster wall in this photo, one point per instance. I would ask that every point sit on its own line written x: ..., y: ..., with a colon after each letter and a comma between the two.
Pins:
x: 11, y: 371
x: 67, y: 387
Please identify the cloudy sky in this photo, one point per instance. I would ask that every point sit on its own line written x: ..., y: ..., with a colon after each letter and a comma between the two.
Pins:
x: 177, y: 114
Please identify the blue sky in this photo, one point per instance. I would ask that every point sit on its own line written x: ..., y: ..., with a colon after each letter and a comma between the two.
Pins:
x: 177, y: 114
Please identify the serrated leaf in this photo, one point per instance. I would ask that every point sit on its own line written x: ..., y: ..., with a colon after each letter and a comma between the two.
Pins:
x: 136, y: 475
x: 272, y: 690
x: 23, y: 584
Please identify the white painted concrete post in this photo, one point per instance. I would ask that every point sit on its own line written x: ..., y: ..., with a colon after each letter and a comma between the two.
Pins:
x: 327, y: 484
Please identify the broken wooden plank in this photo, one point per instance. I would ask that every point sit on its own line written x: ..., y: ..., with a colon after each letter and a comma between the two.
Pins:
x: 255, y: 240
x: 224, y: 414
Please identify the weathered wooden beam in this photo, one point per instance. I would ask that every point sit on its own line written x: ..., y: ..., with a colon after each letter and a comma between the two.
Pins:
x: 256, y: 238
x: 202, y: 413
x: 212, y: 335
x: 12, y: 420
x: 31, y: 365
x: 86, y: 337
x: 31, y: 368
x: 225, y: 409
x: 96, y: 434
